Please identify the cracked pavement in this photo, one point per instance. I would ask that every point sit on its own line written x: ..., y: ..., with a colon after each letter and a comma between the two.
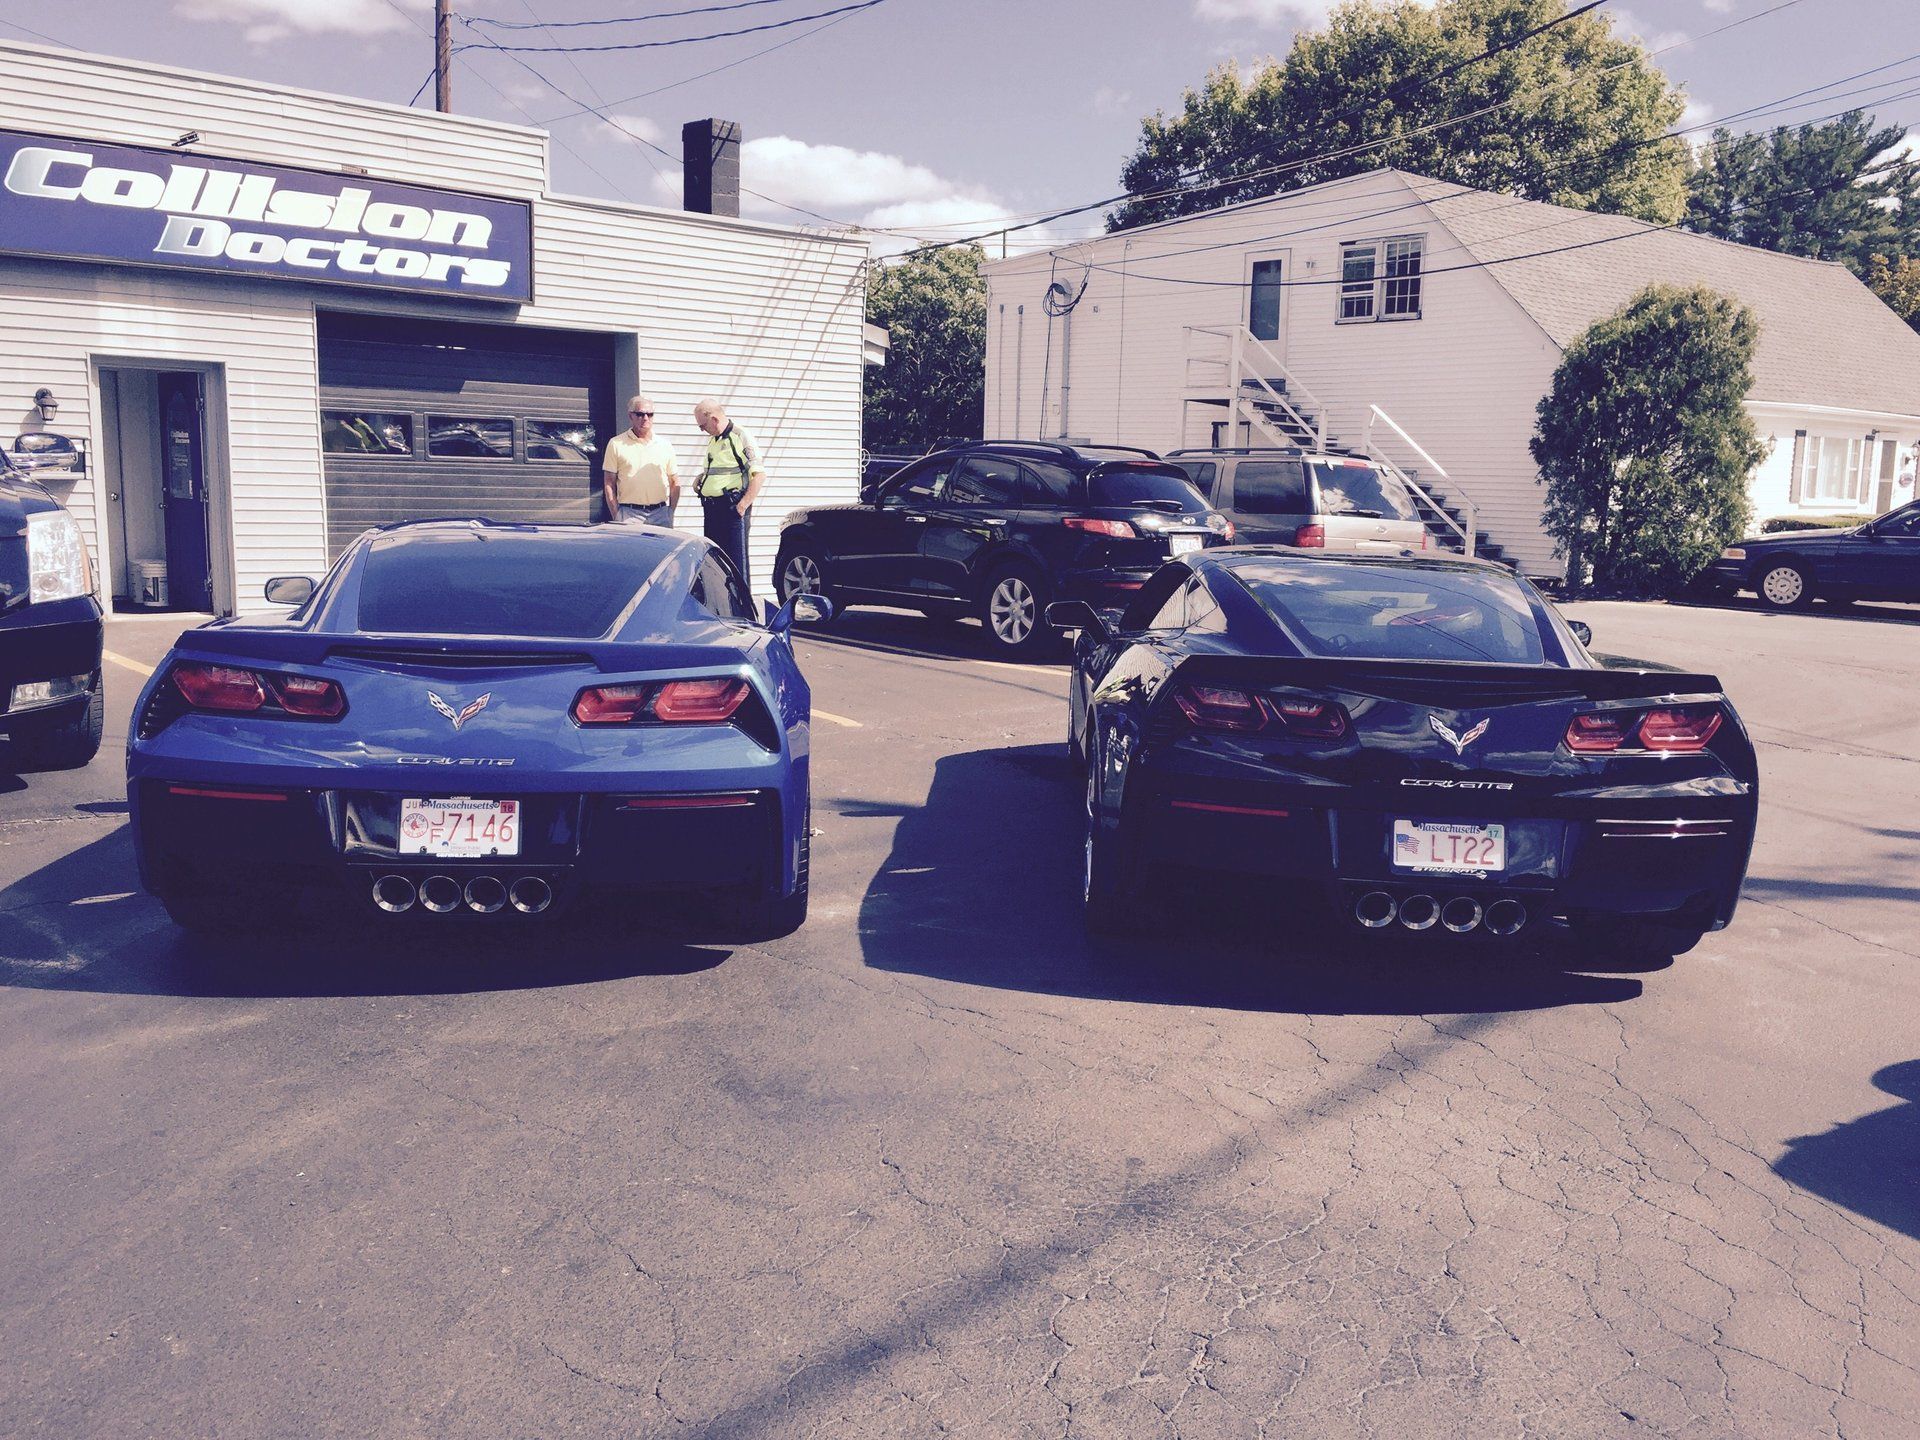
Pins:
x: 931, y: 1167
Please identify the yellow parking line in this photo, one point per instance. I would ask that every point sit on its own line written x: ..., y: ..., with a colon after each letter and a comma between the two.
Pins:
x: 133, y: 665
x: 820, y: 714
x: 1023, y: 669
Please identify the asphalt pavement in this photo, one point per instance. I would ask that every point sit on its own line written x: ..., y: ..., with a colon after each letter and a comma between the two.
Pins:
x: 934, y: 1167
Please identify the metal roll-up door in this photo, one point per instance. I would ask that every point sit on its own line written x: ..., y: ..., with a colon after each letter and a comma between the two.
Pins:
x: 423, y: 418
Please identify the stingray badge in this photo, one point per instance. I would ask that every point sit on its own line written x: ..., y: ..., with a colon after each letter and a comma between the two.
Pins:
x: 460, y: 717
x: 1457, y: 741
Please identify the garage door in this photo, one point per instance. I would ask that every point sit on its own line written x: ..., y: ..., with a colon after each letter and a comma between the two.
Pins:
x: 423, y: 418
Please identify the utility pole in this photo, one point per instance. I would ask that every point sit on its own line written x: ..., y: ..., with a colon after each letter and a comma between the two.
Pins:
x: 443, y: 55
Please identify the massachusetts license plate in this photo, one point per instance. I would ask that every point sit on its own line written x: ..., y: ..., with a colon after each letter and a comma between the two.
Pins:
x: 460, y: 829
x: 1448, y: 848
x: 1186, y: 544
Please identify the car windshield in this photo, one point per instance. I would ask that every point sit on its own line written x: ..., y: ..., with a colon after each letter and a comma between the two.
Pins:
x: 1161, y: 487
x: 1350, y: 487
x: 483, y: 582
x: 1398, y: 611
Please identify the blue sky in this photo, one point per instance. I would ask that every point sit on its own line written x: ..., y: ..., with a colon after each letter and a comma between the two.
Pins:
x: 914, y: 113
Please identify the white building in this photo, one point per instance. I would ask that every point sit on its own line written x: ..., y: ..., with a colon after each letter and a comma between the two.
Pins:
x: 270, y: 318
x: 1423, y: 321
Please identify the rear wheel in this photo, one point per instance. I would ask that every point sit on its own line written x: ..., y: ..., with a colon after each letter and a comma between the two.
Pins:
x: 1111, y: 901
x: 67, y: 745
x: 212, y: 915
x: 1784, y: 586
x: 775, y: 919
x: 1011, y: 607
x: 1637, y: 942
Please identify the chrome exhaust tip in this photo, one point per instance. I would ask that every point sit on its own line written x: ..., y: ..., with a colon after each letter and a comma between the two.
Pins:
x: 393, y: 894
x: 1506, y: 917
x: 530, y: 895
x: 1375, y: 909
x: 485, y: 895
x: 440, y: 894
x: 1419, y: 912
x: 1460, y: 914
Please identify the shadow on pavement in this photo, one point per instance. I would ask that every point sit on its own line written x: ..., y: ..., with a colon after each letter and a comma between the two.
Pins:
x: 902, y: 632
x: 983, y: 886
x: 1885, y: 612
x: 116, y: 942
x: 1870, y: 1165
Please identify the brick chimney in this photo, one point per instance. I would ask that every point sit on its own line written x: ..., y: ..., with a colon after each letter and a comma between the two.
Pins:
x: 710, y: 155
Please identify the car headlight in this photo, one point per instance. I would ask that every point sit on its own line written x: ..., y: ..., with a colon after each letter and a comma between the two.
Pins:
x: 57, y: 564
x: 1733, y: 552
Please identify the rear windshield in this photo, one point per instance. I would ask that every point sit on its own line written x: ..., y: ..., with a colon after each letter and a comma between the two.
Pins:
x: 1355, y: 489
x: 1157, y: 485
x: 485, y: 583
x: 1398, y: 611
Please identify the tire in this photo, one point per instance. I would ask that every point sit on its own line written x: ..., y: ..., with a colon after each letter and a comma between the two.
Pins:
x: 1111, y: 903
x: 775, y: 919
x: 215, y: 915
x: 1012, y: 609
x: 66, y: 746
x: 802, y: 571
x: 1637, y: 942
x: 1783, y: 585
x: 1076, y: 752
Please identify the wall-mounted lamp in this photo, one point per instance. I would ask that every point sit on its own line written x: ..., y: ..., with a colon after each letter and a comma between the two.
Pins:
x: 48, y: 406
x: 192, y: 137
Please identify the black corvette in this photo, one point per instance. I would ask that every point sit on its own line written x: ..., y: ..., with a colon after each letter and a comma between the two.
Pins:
x: 1420, y: 741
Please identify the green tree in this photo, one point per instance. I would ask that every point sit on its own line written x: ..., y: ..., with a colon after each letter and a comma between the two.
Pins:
x: 1898, y: 283
x: 1576, y: 115
x: 1833, y: 191
x: 1644, y: 443
x: 934, y: 307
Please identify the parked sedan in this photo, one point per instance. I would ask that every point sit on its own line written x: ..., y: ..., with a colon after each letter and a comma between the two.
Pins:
x: 51, y: 704
x: 1422, y: 742
x: 998, y: 530
x: 1876, y: 561
x: 481, y: 721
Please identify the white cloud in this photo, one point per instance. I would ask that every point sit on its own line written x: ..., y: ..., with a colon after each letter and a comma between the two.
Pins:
x: 1109, y: 101
x: 266, y: 21
x: 1720, y: 7
x: 1697, y: 112
x: 627, y: 128
x: 1292, y: 13
x: 1625, y: 22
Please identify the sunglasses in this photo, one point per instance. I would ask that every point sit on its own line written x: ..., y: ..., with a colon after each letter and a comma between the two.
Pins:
x: 643, y: 414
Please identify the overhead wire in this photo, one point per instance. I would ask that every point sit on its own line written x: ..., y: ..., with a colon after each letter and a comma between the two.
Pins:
x: 850, y: 9
x: 618, y: 19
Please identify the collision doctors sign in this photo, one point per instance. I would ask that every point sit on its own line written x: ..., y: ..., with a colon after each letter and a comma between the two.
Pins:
x: 74, y: 199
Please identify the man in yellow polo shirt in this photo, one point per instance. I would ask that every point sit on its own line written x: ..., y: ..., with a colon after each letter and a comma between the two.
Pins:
x: 640, y: 476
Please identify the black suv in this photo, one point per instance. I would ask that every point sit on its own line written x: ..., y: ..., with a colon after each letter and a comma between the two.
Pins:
x: 998, y: 529
x: 50, y: 633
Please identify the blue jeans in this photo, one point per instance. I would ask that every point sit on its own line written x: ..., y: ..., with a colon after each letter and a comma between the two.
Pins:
x: 661, y: 514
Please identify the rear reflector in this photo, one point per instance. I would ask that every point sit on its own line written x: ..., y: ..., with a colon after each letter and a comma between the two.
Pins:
x: 1229, y: 809
x: 219, y: 687
x: 686, y: 802
x: 201, y: 793
x: 1311, y: 537
x: 1687, y: 727
x: 1112, y: 529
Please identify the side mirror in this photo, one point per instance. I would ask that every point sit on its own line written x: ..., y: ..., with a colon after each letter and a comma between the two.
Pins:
x: 289, y: 590
x: 1077, y: 615
x: 807, y: 609
x: 1582, y: 631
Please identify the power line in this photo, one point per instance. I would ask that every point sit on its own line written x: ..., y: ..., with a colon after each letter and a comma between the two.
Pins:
x: 617, y: 19
x: 858, y: 5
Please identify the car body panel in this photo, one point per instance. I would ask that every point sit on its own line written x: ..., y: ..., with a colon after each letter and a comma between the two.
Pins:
x: 43, y: 640
x: 1876, y: 561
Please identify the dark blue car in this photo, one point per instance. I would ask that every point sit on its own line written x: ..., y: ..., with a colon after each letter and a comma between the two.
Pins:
x: 480, y: 721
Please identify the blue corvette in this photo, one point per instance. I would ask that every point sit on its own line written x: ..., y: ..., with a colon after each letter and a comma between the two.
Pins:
x: 480, y: 721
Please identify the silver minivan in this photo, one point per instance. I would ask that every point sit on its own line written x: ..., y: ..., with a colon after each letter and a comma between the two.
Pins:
x: 1315, y: 501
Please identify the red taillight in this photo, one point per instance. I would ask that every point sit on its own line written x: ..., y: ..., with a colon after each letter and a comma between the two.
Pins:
x: 219, y: 687
x: 1311, y: 537
x: 692, y: 702
x: 1312, y: 719
x: 1112, y: 529
x: 1595, y: 734
x: 1687, y: 727
x: 1229, y: 531
x: 309, y: 695
x: 611, y: 704
x: 1424, y: 537
x: 1215, y: 707
x: 674, y: 702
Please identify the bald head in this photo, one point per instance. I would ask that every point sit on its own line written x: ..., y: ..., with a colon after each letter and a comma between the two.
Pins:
x: 710, y: 415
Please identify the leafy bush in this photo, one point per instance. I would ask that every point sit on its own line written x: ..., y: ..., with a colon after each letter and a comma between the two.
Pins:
x: 1775, y: 524
x: 1644, y: 442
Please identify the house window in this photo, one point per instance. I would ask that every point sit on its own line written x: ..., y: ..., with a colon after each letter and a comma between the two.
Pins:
x: 1832, y: 469
x: 1380, y: 279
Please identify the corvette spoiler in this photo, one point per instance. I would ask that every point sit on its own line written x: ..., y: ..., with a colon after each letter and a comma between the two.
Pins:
x: 1453, y: 683
x: 266, y: 644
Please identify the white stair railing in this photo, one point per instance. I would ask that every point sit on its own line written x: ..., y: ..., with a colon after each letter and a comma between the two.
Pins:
x: 1243, y: 346
x: 1470, y: 530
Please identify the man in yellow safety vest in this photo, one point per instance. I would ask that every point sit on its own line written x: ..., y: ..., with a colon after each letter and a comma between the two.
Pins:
x: 730, y: 482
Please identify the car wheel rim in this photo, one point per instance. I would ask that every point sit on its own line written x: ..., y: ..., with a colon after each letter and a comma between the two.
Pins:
x: 1011, y: 610
x: 1086, y: 879
x: 1782, y: 586
x: 802, y: 577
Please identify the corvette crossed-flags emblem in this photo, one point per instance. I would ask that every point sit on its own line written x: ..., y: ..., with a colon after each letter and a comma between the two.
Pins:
x: 1459, y: 742
x: 458, y: 717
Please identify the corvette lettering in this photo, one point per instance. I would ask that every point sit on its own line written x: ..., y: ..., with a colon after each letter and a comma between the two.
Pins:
x: 232, y: 215
x: 446, y: 760
x: 1462, y: 784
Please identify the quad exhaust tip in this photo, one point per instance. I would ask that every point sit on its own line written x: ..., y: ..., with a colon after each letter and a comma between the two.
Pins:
x: 393, y: 894
x: 441, y: 894
x: 1460, y: 914
x: 1375, y: 909
x: 1419, y: 912
x: 1505, y: 917
x: 485, y: 895
x: 530, y: 895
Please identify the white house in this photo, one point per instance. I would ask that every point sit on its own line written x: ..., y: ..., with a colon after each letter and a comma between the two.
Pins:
x: 1422, y: 322
x: 269, y: 317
